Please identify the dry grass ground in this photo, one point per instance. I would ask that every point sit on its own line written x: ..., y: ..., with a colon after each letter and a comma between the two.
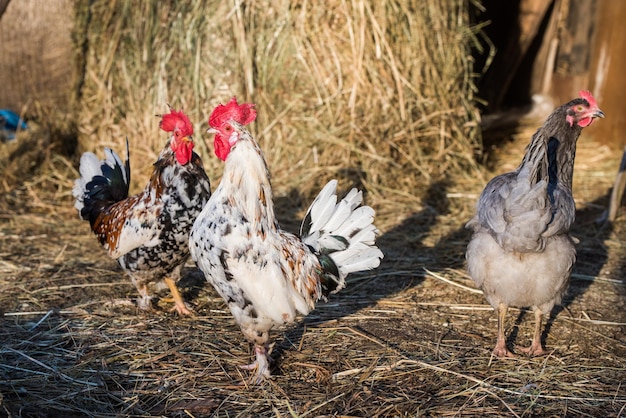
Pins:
x: 412, y: 338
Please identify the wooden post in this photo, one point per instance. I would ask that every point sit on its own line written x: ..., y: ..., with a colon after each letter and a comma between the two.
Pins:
x: 3, y: 6
x: 572, y: 64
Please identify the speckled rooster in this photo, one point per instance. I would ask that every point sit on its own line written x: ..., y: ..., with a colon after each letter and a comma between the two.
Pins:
x: 147, y: 233
x: 266, y: 275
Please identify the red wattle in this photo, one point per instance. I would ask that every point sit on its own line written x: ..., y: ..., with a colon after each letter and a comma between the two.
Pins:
x: 183, y: 152
x: 222, y: 148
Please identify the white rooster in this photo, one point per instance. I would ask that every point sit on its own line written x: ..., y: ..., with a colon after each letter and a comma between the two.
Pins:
x: 268, y: 276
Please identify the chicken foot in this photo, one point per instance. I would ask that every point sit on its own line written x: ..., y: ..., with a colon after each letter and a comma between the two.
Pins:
x: 500, y: 349
x: 536, y: 349
x: 179, y: 303
x: 261, y: 364
x: 144, y: 300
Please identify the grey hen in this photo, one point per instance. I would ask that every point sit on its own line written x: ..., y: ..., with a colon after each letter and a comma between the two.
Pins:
x: 521, y: 253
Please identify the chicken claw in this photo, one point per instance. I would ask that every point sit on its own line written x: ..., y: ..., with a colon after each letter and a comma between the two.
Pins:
x: 536, y: 349
x: 180, y: 305
x: 261, y: 365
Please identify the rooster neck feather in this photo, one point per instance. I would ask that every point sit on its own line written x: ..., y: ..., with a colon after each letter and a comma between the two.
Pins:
x: 246, y: 171
x: 550, y: 154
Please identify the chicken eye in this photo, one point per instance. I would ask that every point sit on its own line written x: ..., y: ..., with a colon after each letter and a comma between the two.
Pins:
x: 228, y: 128
x: 580, y: 108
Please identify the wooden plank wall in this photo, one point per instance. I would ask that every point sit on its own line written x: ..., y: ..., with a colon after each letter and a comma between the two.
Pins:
x: 608, y: 72
x: 556, y: 48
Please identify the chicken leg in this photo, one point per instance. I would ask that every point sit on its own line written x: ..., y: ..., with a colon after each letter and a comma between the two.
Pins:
x: 180, y: 306
x: 500, y: 349
x: 535, y: 348
x: 261, y: 364
x: 144, y: 301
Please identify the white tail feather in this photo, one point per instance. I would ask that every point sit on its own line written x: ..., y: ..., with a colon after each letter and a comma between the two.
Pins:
x: 344, y: 230
x: 323, y: 206
x: 362, y: 257
x: 89, y: 168
x: 344, y: 209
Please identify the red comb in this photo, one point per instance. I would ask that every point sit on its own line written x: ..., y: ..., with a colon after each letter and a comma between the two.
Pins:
x: 586, y: 94
x: 176, y: 122
x: 241, y: 113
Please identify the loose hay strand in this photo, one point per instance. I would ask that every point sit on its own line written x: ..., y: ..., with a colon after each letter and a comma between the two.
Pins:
x: 443, y: 279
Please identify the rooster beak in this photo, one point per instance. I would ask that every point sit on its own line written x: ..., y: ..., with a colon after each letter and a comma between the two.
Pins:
x: 598, y: 113
x: 211, y: 131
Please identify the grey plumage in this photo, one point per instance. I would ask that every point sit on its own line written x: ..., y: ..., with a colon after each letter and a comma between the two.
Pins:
x: 521, y: 253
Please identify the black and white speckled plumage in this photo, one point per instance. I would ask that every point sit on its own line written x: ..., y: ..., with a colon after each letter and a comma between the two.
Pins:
x: 268, y: 276
x: 146, y: 233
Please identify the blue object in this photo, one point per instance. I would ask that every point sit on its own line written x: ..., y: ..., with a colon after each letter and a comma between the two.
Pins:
x: 9, y: 123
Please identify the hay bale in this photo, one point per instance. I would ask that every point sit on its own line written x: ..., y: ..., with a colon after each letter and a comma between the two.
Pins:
x: 36, y: 71
x: 140, y: 57
x: 377, y: 93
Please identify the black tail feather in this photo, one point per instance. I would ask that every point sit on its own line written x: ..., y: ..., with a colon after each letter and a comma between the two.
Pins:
x: 330, y: 274
x: 110, y: 187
